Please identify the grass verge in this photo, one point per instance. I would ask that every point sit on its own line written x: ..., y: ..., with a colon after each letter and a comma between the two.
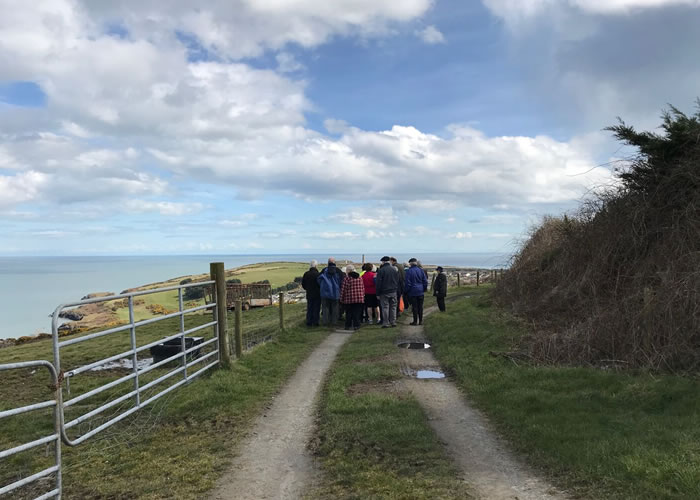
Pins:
x: 374, y: 440
x: 602, y: 434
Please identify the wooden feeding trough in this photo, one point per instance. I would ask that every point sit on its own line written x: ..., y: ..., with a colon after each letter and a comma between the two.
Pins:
x: 250, y: 295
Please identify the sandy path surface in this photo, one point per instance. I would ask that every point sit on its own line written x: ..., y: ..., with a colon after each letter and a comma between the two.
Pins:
x: 488, y: 466
x: 273, y: 461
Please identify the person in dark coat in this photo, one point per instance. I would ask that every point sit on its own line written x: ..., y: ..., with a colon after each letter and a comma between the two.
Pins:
x: 402, y: 280
x: 416, y: 285
x: 387, y: 284
x: 309, y: 282
x: 440, y: 288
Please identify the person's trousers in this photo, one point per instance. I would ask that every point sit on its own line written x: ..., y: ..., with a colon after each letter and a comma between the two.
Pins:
x: 441, y: 302
x: 330, y: 311
x: 417, y: 307
x: 398, y: 311
x: 388, y: 304
x: 313, y: 310
x: 353, y: 315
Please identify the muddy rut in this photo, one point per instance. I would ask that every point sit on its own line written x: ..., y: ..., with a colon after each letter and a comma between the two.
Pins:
x: 488, y: 466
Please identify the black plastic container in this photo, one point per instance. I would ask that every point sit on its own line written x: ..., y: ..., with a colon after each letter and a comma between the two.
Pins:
x: 174, y: 346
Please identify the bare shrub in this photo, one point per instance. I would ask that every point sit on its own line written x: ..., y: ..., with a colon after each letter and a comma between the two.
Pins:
x: 619, y: 281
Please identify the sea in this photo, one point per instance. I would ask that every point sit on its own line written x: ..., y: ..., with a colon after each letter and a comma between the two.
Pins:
x: 32, y: 287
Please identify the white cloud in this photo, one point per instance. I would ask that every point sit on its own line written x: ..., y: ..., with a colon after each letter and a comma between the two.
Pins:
x: 515, y: 11
x: 376, y: 217
x: 287, y: 63
x: 420, y: 206
x: 54, y: 233
x: 161, y: 115
x: 246, y: 28
x: 167, y: 208
x: 461, y: 235
x: 334, y: 235
x: 431, y: 35
x: 276, y: 234
x: 241, y: 220
x: 21, y: 188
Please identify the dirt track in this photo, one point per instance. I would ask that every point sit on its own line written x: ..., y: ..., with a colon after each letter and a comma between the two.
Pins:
x: 273, y: 461
x: 488, y: 466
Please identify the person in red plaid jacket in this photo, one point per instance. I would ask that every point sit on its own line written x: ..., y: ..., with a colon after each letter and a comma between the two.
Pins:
x: 352, y: 295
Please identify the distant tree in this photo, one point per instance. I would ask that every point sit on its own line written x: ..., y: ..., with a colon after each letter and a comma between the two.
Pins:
x: 185, y: 281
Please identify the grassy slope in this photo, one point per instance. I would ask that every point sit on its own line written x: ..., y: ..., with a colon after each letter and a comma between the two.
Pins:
x: 278, y: 273
x: 606, y: 434
x: 374, y: 441
x: 185, y: 436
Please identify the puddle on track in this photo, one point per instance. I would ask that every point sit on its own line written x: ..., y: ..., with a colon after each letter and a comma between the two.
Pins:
x: 413, y: 345
x: 426, y: 374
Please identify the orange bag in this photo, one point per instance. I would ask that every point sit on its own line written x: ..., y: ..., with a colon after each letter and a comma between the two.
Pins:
x: 401, y: 304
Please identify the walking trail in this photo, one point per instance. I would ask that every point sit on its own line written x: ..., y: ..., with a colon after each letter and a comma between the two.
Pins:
x: 273, y: 461
x: 488, y: 466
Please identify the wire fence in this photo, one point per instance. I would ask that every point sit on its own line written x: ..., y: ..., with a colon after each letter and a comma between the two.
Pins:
x: 261, y: 325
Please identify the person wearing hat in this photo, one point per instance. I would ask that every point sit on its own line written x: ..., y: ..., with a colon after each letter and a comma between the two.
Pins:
x: 309, y: 282
x: 440, y: 288
x: 402, y: 279
x: 387, y: 285
x: 416, y: 285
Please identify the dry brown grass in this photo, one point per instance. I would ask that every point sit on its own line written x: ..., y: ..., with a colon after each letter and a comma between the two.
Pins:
x: 618, y: 282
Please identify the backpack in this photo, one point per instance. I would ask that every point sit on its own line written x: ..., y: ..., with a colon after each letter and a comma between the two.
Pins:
x: 329, y: 286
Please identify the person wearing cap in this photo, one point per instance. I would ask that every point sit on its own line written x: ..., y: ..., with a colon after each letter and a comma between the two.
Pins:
x: 416, y: 285
x: 309, y: 282
x: 440, y: 288
x: 387, y: 285
x: 402, y: 280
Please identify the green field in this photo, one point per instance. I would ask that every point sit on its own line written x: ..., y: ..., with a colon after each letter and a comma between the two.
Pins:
x: 599, y: 433
x: 278, y: 274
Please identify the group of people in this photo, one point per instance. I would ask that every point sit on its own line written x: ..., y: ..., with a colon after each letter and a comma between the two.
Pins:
x: 371, y: 295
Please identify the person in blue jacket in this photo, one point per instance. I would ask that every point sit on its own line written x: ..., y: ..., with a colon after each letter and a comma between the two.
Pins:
x: 415, y: 286
x: 330, y: 281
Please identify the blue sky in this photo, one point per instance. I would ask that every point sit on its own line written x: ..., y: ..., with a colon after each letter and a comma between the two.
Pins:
x: 289, y: 126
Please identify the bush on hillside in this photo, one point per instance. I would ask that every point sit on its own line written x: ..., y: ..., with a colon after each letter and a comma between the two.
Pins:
x: 194, y: 293
x: 619, y: 281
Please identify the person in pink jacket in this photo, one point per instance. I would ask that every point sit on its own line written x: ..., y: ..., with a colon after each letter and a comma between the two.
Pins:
x: 371, y: 302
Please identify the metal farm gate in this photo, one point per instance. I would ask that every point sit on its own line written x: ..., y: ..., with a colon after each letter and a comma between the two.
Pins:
x: 178, y: 359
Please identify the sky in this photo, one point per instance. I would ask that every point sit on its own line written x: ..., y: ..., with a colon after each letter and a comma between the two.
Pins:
x: 286, y: 126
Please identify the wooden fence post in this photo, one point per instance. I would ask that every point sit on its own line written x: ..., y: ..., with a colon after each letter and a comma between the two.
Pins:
x: 458, y: 284
x: 217, y: 273
x: 238, y: 331
x: 477, y: 277
x: 282, y: 311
